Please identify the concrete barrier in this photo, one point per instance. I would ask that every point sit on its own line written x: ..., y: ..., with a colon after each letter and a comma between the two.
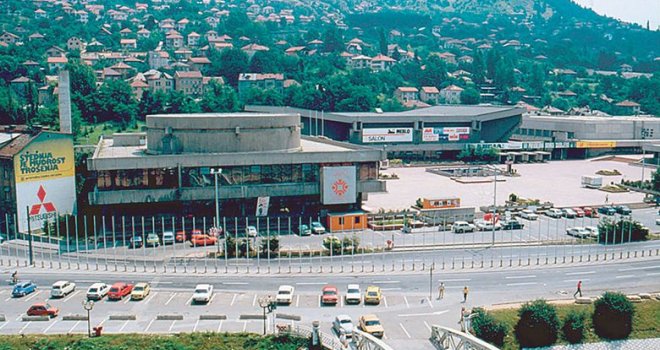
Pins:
x: 645, y: 296
x: 74, y: 317
x: 169, y: 317
x: 583, y: 300
x: 35, y: 318
x: 212, y: 317
x: 3, y: 318
x: 289, y: 317
x: 251, y: 317
x: 123, y: 317
x: 634, y: 298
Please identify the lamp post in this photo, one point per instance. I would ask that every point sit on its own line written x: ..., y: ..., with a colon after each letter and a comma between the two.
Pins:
x: 216, y: 172
x: 266, y: 304
x: 494, y: 204
x: 88, y: 305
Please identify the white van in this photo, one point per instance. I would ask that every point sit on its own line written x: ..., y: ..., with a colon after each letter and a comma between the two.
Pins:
x: 62, y: 288
x: 462, y: 227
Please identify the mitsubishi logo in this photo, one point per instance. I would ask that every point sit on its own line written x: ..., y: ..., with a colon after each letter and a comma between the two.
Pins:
x: 36, y: 209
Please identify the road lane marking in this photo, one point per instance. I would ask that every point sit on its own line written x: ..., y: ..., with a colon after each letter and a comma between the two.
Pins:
x: 170, y: 299
x: 341, y: 302
x: 220, y: 325
x: 639, y: 268
x: 8, y: 299
x: 103, y: 321
x: 19, y: 317
x: 311, y: 283
x: 172, y: 326
x: 425, y: 314
x: 3, y: 325
x: 430, y: 303
x: 404, y: 330
x: 580, y: 273
x: 520, y: 277
x: 390, y: 289
x: 522, y: 284
x: 427, y: 326
x: 26, y: 325
x: 583, y: 280
x: 49, y: 326
x: 151, y: 296
x: 189, y: 301
x: 128, y: 298
x: 406, y: 300
x: 456, y: 280
x: 244, y: 326
x: 85, y: 281
x: 212, y: 297
x: 386, y: 282
x: 653, y: 274
x: 254, y: 300
x: 297, y: 300
x: 123, y: 326
x: 74, y: 326
x: 385, y: 301
x: 146, y: 330
x: 32, y: 296
x: 233, y: 299
x: 235, y: 283
x: 196, y: 324
x: 625, y: 276
x: 71, y: 296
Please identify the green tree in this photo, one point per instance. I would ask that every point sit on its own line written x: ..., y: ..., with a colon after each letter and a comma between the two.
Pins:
x: 613, y: 316
x: 574, y: 325
x: 264, y: 62
x: 382, y: 41
x: 487, y: 328
x: 229, y: 63
x: 219, y: 98
x: 181, y: 103
x: 332, y: 40
x: 114, y: 101
x: 470, y: 96
x: 561, y: 103
x: 538, y: 324
x: 435, y: 72
x: 152, y: 103
x: 611, y: 231
x: 478, y: 68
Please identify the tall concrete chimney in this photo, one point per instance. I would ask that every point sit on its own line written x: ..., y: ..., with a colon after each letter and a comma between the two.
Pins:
x: 64, y: 94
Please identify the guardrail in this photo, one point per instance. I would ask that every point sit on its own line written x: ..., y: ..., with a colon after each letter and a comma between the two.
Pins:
x: 327, y: 340
x: 366, y: 341
x: 445, y: 338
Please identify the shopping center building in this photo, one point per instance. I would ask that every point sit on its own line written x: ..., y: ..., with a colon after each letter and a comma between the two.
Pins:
x: 256, y: 158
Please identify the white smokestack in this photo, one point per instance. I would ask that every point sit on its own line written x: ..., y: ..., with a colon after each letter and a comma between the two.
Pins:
x: 64, y: 102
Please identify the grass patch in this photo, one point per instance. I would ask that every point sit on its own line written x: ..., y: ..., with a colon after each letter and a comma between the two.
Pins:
x: 91, y: 133
x: 646, y: 323
x: 183, y: 341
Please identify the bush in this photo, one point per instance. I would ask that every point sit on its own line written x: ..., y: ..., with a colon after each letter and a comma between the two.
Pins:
x: 486, y: 327
x: 573, y: 328
x: 613, y: 316
x: 538, y: 324
x: 626, y: 230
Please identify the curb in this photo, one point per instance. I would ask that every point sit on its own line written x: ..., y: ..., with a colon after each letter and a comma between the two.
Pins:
x: 251, y: 317
x: 169, y: 317
x: 2, y: 318
x: 212, y: 317
x: 289, y: 317
x: 123, y: 317
x: 35, y: 318
x: 75, y: 317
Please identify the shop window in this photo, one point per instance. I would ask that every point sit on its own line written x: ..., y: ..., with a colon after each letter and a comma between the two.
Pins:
x: 357, y: 220
x: 341, y: 220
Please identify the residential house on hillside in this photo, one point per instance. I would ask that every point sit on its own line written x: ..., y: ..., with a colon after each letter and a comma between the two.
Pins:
x: 174, y: 40
x: 190, y: 83
x: 451, y: 94
x: 143, y: 33
x: 360, y: 62
x: 56, y: 63
x: 630, y: 107
x: 193, y: 39
x: 9, y: 38
x: 139, y: 87
x: 108, y: 74
x: 35, y: 37
x: 39, y: 13
x: 55, y: 51
x: 406, y: 93
x: 251, y: 49
x: 159, y: 81
x: 199, y: 63
x: 128, y: 44
x: 248, y: 81
x: 382, y: 63
x: 430, y: 95
x: 21, y: 87
x: 158, y: 59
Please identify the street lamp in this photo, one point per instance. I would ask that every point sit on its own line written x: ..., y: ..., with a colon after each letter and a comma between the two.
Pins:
x: 216, y: 172
x: 267, y: 304
x: 88, y: 305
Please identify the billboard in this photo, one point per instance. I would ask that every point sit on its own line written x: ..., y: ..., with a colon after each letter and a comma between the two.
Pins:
x: 44, y: 172
x: 445, y: 134
x: 595, y: 144
x: 387, y: 135
x: 338, y: 185
x: 262, y: 206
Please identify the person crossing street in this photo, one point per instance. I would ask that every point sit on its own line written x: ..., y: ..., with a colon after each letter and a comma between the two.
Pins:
x: 441, y: 291
x: 579, y: 290
x: 465, y: 293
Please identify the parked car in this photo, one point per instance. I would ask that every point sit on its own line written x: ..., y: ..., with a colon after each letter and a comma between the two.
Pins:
x: 202, y: 240
x: 140, y: 291
x: 135, y: 242
x: 152, y: 240
x: 343, y: 324
x: 579, y: 232
x: 182, y: 236
x: 97, y: 291
x: 251, y: 231
x: 318, y: 228
x: 607, y: 210
x: 304, y: 230
x: 284, y: 295
x: 353, y: 294
x: 23, y: 288
x: 203, y: 293
x: 487, y: 225
x: 554, y: 213
x: 119, y: 290
x: 590, y: 212
x: 372, y: 295
x: 168, y: 238
x: 593, y: 231
x: 578, y: 212
x: 61, y: 289
x: 569, y: 213
x: 512, y: 224
x: 43, y: 309
x: 371, y: 324
x: 623, y: 210
x: 462, y: 227
x: 657, y: 221
x: 528, y: 214
x: 329, y: 295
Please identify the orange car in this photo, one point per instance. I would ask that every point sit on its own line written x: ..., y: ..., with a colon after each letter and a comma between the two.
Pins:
x: 182, y: 236
x: 201, y: 240
x: 119, y: 290
x: 43, y: 309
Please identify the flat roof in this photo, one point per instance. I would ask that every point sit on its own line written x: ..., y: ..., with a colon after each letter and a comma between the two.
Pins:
x: 583, y: 118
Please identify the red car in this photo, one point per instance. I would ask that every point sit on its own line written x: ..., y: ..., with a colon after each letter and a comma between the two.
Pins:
x: 329, y: 295
x: 43, y: 309
x: 119, y: 290
x: 202, y: 240
x: 590, y: 212
x: 578, y: 212
x: 182, y: 236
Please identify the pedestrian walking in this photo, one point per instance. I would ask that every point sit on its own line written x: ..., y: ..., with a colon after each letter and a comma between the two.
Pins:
x: 607, y: 198
x: 441, y: 291
x: 461, y: 321
x: 465, y: 293
x: 579, y: 289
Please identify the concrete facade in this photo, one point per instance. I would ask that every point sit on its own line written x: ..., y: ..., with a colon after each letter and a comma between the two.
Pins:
x: 588, y: 128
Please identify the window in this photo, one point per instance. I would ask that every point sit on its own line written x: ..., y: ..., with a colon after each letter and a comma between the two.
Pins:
x: 357, y: 220
x: 341, y: 220
x: 571, y: 135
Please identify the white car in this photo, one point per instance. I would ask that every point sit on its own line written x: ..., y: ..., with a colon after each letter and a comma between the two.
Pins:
x: 343, y: 324
x: 203, y: 293
x: 593, y: 231
x: 554, y: 213
x: 61, y: 289
x: 462, y: 227
x: 528, y: 214
x: 579, y: 232
x: 353, y: 294
x: 284, y: 295
x: 487, y: 225
x: 569, y: 213
x: 97, y: 291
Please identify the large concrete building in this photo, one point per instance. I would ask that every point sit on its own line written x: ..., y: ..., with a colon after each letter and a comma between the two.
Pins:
x: 263, y: 158
x: 425, y: 133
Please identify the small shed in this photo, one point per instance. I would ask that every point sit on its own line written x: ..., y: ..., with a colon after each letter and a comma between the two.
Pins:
x: 347, y: 221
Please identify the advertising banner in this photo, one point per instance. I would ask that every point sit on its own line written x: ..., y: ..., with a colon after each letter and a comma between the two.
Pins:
x: 445, y: 134
x: 595, y: 144
x: 262, y: 206
x: 45, y: 180
x: 338, y: 185
x: 387, y: 135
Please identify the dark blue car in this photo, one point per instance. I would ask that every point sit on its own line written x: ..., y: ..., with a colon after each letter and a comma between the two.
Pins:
x: 23, y: 289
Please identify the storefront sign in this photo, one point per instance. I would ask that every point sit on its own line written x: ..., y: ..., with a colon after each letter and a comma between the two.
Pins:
x: 387, y: 135
x: 595, y: 144
x: 262, y: 206
x: 445, y: 134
